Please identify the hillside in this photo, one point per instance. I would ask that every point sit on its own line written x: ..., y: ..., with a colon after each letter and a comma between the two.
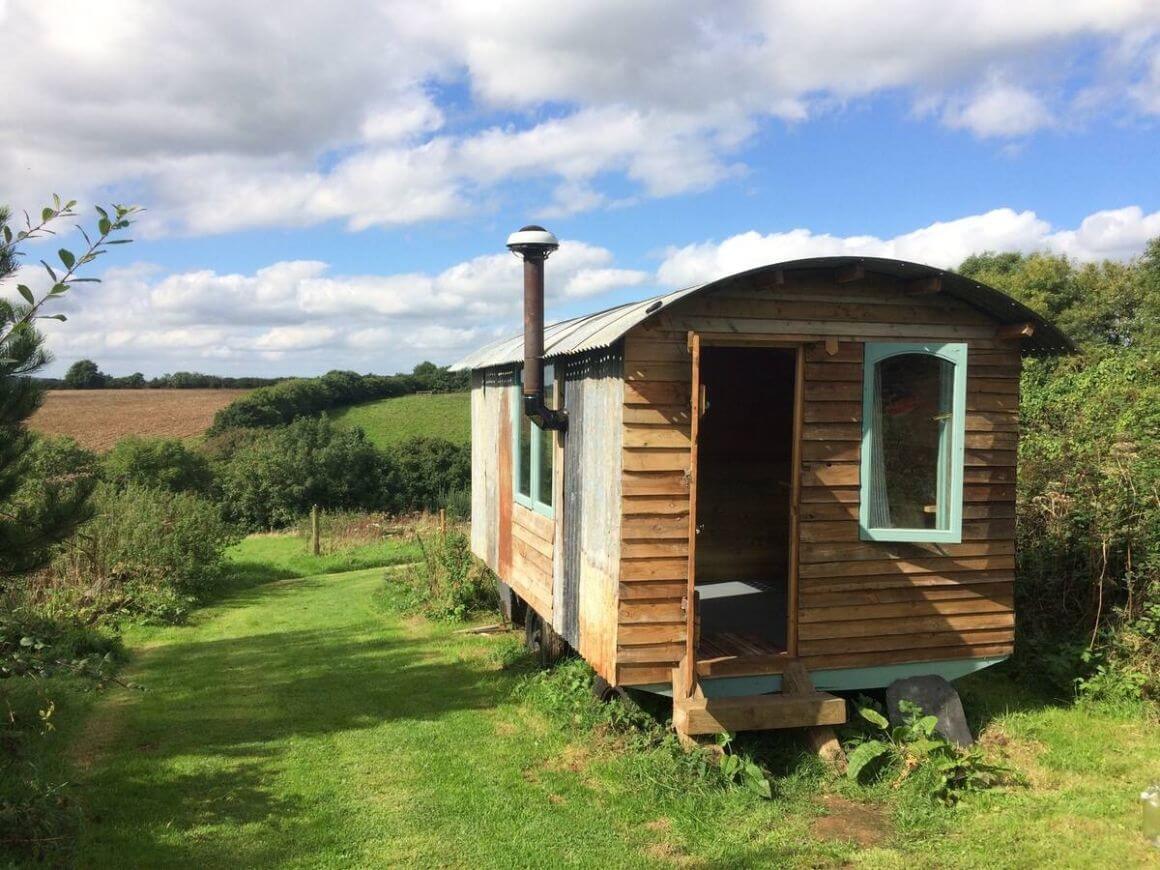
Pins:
x: 98, y: 419
x: 388, y: 421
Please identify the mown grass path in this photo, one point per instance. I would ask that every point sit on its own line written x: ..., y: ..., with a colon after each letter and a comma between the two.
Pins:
x: 300, y: 724
x: 303, y: 723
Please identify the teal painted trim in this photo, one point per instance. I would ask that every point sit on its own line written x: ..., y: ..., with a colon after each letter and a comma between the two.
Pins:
x: 535, y: 469
x: 834, y: 680
x: 956, y: 354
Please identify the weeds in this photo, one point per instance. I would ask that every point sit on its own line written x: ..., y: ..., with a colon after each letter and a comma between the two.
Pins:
x: 656, y: 758
x: 917, y: 753
x: 447, y: 582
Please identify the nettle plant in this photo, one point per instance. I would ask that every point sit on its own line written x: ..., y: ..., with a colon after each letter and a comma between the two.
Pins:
x: 919, y: 753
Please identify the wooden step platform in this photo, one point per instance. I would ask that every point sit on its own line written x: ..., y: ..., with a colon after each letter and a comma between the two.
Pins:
x: 700, y: 715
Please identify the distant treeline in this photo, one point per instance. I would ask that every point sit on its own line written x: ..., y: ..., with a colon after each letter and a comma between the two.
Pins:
x: 85, y: 374
x: 285, y: 402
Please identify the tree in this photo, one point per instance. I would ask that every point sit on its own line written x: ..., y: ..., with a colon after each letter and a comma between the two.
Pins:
x: 84, y: 375
x: 33, y: 519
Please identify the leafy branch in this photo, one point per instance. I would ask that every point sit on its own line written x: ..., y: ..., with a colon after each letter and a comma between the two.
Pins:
x: 64, y: 276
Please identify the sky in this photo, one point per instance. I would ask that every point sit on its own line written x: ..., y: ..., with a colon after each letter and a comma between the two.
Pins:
x: 331, y: 185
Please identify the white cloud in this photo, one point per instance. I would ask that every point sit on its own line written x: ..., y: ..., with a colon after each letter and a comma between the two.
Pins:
x: 222, y: 116
x: 1116, y: 234
x: 999, y: 110
x: 296, y: 316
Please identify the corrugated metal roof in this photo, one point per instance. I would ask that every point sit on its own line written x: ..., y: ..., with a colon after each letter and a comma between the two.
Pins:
x: 604, y: 328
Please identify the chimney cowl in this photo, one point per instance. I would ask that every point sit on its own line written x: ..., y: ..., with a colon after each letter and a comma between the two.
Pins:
x: 532, y: 240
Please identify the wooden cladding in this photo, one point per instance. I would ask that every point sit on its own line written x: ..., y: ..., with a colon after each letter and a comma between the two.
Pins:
x: 858, y: 603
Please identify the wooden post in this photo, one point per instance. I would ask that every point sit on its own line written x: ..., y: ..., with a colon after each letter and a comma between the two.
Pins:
x: 795, y: 680
x: 442, y: 521
x: 315, y: 543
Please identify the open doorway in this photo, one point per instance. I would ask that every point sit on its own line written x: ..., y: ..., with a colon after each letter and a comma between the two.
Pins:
x: 744, y: 488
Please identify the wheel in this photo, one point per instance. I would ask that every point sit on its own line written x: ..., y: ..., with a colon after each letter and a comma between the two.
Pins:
x: 603, y: 690
x: 543, y: 643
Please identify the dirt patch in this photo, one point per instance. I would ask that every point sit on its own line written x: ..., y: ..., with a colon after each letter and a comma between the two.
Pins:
x: 855, y: 823
x: 101, y: 729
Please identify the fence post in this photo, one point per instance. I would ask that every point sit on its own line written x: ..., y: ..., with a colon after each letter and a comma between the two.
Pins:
x: 315, y: 544
x: 443, y: 521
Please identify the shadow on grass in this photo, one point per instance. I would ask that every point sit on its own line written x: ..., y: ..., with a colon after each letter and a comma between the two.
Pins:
x: 204, y: 749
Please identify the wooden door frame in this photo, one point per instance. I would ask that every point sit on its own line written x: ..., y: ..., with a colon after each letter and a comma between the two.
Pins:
x: 696, y: 341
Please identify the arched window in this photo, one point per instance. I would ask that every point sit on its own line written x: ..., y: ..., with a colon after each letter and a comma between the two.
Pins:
x: 913, y: 418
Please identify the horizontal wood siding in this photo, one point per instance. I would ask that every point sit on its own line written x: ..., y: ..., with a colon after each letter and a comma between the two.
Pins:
x: 859, y: 603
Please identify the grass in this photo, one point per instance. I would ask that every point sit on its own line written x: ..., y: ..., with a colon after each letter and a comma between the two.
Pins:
x: 389, y: 421
x: 284, y: 556
x: 304, y: 723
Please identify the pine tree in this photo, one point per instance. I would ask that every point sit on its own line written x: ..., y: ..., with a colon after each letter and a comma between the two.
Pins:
x: 34, y: 518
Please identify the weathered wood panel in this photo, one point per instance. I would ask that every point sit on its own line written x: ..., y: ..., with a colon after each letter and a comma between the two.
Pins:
x: 593, y: 396
x: 920, y: 602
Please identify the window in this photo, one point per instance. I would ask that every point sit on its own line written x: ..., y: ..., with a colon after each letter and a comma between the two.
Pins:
x: 913, y: 416
x: 533, y: 449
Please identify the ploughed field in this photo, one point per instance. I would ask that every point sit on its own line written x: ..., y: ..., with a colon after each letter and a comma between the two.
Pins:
x: 97, y: 419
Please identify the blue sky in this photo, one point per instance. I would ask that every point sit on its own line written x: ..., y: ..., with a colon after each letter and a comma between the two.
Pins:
x: 333, y: 191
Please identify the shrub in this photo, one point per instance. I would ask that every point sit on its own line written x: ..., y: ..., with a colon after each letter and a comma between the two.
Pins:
x: 165, y: 463
x: 274, y: 478
x: 146, y: 551
x: 448, y: 582
x: 1089, y: 517
x: 422, y: 471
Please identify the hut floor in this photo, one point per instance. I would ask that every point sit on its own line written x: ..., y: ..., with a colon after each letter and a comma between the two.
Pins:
x: 733, y: 654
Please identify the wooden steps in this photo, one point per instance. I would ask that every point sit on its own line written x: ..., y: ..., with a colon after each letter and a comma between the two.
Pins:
x: 700, y: 715
x: 798, y: 706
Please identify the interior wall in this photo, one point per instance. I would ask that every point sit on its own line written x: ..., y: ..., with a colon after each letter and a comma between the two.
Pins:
x: 744, y: 455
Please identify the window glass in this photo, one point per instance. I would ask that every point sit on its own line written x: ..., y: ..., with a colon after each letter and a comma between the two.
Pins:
x: 547, y: 440
x: 912, y: 408
x: 524, y: 473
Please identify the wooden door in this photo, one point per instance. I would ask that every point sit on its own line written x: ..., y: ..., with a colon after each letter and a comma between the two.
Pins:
x: 697, y: 409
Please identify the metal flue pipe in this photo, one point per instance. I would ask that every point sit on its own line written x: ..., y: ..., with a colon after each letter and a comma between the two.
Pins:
x: 534, y: 244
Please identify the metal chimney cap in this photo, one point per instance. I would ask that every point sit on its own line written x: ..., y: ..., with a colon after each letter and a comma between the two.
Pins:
x: 534, y: 240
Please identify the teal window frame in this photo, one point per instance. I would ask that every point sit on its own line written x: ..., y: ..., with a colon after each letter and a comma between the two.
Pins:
x: 535, y: 467
x: 955, y: 435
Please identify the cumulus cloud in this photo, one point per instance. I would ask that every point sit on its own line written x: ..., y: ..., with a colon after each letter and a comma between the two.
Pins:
x: 297, y: 316
x: 223, y: 116
x: 1113, y: 234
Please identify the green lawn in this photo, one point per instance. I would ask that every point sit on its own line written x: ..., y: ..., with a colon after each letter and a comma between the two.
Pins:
x: 304, y: 723
x: 389, y: 421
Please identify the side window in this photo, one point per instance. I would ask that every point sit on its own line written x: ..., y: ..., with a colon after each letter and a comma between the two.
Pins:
x: 913, y: 420
x: 534, y: 452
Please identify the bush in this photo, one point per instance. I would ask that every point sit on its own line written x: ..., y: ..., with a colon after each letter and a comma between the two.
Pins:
x: 1089, y: 517
x: 165, y: 463
x: 422, y: 471
x: 448, y: 582
x: 145, y: 551
x: 272, y: 478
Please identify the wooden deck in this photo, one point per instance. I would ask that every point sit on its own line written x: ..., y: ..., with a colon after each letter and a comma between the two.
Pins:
x: 729, y: 654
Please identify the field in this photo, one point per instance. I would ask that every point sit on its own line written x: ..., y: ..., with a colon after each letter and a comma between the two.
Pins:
x: 389, y: 421
x: 304, y: 722
x: 97, y: 419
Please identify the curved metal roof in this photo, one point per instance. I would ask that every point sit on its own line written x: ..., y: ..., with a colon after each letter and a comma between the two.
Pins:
x: 604, y: 328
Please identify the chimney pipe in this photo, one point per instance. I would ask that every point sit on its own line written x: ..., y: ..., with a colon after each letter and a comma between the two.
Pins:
x: 534, y: 244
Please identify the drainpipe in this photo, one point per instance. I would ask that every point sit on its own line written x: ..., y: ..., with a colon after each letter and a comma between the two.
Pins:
x: 534, y: 244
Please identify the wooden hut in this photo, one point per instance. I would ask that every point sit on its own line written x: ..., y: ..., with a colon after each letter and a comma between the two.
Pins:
x: 804, y: 469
